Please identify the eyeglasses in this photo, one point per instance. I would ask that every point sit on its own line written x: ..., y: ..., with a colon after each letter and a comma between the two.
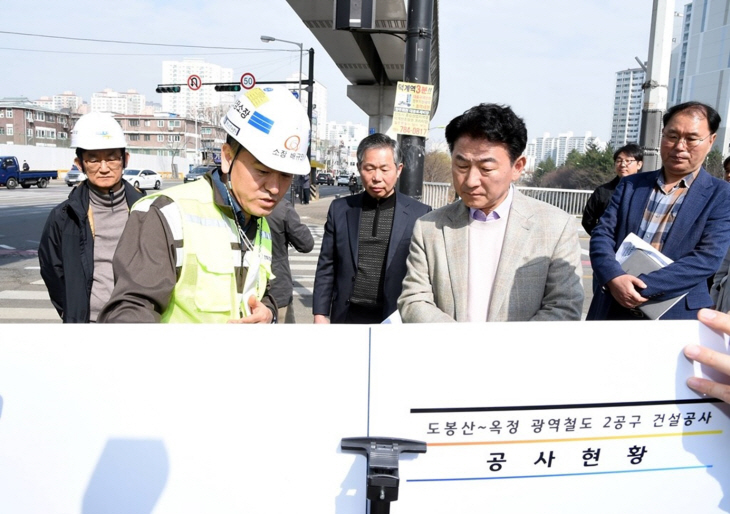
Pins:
x: 113, y: 162
x: 690, y: 142
x: 627, y: 162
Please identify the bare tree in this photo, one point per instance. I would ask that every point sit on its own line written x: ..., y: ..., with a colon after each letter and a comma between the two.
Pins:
x: 437, y: 167
x: 176, y: 142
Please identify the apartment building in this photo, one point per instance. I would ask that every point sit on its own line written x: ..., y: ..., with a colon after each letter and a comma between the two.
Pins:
x: 557, y: 148
x: 108, y: 100
x: 23, y: 122
x: 701, y: 62
x: 627, y: 104
x: 170, y: 135
x: 187, y: 101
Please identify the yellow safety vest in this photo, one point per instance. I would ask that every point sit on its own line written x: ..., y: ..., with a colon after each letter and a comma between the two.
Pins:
x: 206, y: 290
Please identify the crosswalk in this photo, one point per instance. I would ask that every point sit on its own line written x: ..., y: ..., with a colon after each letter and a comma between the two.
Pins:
x: 29, y: 301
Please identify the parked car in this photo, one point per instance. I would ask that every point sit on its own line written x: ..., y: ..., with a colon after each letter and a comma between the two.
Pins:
x: 143, y: 179
x: 74, y: 176
x: 197, y: 172
x: 325, y: 178
x: 343, y: 180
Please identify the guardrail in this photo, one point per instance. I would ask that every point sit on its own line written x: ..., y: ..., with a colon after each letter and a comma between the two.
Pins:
x: 436, y: 194
x: 572, y: 201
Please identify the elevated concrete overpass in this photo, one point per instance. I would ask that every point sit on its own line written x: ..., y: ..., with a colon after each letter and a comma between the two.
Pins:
x: 373, y: 62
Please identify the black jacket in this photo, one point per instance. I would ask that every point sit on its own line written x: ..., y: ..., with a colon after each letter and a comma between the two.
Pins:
x: 66, y: 253
x: 286, y: 229
x: 337, y: 265
x: 597, y: 204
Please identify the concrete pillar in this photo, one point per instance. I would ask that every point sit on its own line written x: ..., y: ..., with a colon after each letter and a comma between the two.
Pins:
x: 377, y: 102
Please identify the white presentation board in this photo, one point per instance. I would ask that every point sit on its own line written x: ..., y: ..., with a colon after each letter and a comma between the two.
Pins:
x: 521, y: 417
x: 551, y: 418
x: 179, y: 419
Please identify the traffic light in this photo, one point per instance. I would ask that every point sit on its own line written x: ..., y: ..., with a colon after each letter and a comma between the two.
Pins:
x: 168, y: 89
x: 228, y: 87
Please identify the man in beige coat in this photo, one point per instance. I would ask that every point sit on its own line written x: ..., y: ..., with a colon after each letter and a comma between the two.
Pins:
x: 495, y: 255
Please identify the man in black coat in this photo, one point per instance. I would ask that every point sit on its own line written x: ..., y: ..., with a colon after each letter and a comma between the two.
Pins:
x: 627, y: 160
x: 366, y: 240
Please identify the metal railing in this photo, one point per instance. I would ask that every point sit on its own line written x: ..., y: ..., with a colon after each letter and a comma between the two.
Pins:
x: 436, y: 194
x: 572, y: 201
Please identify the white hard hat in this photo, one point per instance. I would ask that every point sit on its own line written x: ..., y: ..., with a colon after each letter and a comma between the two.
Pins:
x: 271, y: 124
x: 97, y: 131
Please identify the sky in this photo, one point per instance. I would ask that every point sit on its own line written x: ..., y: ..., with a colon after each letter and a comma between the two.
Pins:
x: 553, y: 62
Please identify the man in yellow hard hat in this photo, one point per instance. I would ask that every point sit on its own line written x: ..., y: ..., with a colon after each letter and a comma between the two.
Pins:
x: 201, y: 252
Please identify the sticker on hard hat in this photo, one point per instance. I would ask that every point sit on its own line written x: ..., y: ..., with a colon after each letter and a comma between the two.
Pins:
x: 257, y: 97
x: 261, y: 122
x: 232, y: 128
x: 292, y: 143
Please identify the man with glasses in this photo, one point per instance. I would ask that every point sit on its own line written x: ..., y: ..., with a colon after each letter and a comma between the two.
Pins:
x: 81, y: 234
x: 201, y: 252
x: 680, y: 210
x: 627, y: 160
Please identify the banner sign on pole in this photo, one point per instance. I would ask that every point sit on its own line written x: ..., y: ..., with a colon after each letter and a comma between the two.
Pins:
x: 412, y: 110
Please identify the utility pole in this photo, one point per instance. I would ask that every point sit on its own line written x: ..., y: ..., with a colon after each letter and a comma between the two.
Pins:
x: 657, y: 77
x: 310, y: 107
x: 416, y: 70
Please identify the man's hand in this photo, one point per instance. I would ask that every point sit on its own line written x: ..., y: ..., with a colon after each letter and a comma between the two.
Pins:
x: 719, y: 361
x: 624, y: 290
x: 260, y: 313
x: 321, y: 319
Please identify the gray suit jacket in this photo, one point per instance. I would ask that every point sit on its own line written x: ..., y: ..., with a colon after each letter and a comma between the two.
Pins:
x: 538, y: 275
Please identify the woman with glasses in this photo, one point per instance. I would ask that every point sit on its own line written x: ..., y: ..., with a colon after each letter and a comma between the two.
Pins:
x: 81, y: 234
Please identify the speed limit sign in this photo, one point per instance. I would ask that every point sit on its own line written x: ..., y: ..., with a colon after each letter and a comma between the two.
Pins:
x: 248, y: 81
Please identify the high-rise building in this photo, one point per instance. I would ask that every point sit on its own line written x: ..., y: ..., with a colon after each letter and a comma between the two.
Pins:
x: 189, y: 102
x: 67, y: 100
x: 45, y: 101
x: 701, y: 62
x: 557, y: 148
x: 627, y: 104
x: 130, y: 102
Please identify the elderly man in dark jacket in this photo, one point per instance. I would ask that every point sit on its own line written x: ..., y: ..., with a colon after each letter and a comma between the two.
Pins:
x: 81, y: 234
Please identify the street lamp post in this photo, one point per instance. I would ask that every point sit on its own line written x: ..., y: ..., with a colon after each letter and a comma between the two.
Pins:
x: 269, y: 39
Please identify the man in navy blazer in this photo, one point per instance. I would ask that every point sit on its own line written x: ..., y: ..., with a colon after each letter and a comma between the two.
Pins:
x: 679, y: 209
x: 362, y: 261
